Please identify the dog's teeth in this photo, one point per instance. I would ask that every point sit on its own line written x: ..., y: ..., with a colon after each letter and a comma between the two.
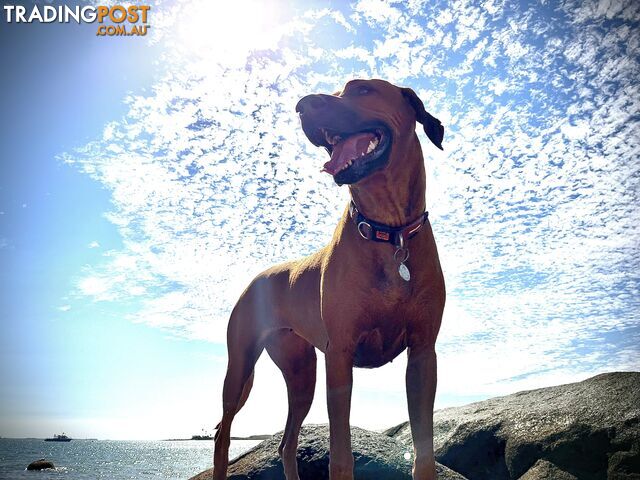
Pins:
x: 372, y: 146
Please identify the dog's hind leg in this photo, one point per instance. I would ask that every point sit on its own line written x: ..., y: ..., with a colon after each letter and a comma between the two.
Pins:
x: 246, y: 390
x: 245, y: 344
x: 296, y: 358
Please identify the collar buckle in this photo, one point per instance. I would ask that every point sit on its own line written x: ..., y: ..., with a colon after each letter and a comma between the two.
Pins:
x: 364, y: 229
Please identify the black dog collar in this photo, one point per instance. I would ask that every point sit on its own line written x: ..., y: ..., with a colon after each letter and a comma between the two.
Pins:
x: 379, y: 232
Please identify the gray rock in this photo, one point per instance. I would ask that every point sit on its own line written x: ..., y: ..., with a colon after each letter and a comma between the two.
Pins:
x: 41, y: 464
x: 543, y: 470
x: 586, y: 430
x: 377, y: 457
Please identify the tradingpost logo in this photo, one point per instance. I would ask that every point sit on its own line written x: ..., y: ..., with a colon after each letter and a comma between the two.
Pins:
x: 113, y: 20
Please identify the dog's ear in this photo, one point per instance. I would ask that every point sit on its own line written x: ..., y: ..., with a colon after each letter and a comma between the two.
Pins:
x: 432, y: 126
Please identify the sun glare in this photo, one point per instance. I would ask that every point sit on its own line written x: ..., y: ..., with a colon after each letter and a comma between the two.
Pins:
x: 227, y: 31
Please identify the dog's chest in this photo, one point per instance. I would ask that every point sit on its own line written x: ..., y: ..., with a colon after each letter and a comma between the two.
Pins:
x: 380, y: 344
x: 383, y: 318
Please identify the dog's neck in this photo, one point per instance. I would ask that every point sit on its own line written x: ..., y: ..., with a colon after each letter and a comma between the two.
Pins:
x: 394, y: 196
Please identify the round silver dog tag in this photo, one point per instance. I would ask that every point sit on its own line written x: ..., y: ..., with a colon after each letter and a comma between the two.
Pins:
x: 404, y: 272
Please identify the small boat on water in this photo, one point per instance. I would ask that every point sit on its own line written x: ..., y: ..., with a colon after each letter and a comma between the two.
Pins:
x: 58, y: 438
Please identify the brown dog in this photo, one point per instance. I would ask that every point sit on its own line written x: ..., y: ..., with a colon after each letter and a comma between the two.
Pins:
x: 376, y: 289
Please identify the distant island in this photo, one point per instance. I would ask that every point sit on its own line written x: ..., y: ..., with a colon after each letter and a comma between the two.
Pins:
x: 58, y: 438
x: 252, y: 437
x: 210, y: 437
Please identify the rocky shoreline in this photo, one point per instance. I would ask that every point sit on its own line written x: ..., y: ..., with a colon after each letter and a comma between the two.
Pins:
x: 587, y: 430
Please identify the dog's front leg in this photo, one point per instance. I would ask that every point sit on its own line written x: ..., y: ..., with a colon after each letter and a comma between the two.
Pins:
x: 339, y: 364
x: 421, y: 389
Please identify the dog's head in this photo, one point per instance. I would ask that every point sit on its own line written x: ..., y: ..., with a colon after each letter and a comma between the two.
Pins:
x: 365, y: 127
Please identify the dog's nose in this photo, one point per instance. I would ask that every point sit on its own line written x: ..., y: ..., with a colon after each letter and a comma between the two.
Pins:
x: 311, y: 103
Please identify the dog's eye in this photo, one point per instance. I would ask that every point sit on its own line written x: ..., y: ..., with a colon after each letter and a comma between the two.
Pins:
x: 363, y: 90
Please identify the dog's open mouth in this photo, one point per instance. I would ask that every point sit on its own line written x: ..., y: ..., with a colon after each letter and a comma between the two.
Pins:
x: 356, y: 155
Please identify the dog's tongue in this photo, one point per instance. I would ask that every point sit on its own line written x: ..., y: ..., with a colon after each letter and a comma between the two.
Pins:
x: 348, y: 149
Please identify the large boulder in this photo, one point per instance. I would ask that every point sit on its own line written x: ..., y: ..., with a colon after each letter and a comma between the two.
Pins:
x: 377, y: 457
x: 586, y: 430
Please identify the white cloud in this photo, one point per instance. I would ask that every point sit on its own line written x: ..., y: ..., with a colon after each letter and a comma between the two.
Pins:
x: 378, y: 11
x: 95, y: 287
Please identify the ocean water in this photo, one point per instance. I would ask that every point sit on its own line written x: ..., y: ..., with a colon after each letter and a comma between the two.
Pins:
x: 111, y: 459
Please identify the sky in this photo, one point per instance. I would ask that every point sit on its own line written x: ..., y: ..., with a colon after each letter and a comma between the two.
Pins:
x: 144, y: 181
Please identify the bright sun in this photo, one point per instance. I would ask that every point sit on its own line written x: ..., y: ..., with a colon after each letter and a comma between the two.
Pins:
x: 227, y: 30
